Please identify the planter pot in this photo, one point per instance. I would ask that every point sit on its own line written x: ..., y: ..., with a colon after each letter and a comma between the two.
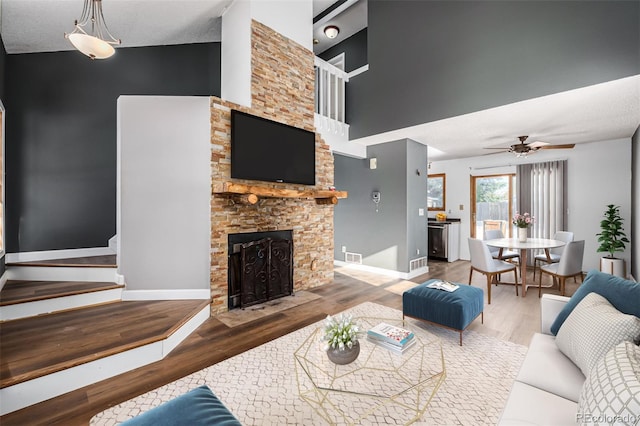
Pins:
x: 345, y: 356
x: 522, y: 235
x: 613, y: 266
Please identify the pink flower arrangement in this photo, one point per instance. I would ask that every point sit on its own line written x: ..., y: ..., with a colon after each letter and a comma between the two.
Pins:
x: 523, y: 220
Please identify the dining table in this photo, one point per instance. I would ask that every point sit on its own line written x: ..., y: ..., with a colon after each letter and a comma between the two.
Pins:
x: 524, y: 246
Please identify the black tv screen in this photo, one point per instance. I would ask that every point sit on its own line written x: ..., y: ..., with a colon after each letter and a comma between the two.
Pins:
x: 265, y: 150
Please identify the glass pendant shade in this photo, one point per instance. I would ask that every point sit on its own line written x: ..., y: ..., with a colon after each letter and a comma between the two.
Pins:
x: 91, y: 35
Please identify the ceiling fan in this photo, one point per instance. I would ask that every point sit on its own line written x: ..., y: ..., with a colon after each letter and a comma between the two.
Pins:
x: 523, y: 148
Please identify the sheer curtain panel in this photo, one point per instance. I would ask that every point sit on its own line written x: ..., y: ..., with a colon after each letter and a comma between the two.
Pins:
x: 542, y: 192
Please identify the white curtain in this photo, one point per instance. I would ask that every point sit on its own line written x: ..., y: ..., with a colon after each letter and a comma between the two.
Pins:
x: 542, y: 192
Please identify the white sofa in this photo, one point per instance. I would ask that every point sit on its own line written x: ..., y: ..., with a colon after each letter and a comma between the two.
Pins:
x: 548, y: 385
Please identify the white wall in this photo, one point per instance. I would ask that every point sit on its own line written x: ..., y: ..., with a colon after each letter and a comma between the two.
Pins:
x: 235, y: 73
x: 598, y: 174
x: 291, y: 18
x: 164, y: 192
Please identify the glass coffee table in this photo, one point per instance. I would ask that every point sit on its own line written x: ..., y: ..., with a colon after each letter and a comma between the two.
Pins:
x: 380, y: 382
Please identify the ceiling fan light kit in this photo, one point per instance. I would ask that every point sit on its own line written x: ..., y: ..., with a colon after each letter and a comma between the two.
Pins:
x: 90, y: 34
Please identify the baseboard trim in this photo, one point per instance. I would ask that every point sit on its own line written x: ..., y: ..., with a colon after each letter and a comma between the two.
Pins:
x: 31, y: 256
x: 46, y: 387
x: 39, y: 273
x: 186, y: 294
x: 383, y: 271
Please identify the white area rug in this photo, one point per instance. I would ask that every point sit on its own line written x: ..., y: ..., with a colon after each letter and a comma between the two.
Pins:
x: 259, y: 386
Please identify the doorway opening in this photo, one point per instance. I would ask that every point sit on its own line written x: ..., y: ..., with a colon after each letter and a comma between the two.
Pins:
x: 492, y: 201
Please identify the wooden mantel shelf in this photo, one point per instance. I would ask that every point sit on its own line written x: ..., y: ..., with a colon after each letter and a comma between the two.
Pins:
x: 251, y: 193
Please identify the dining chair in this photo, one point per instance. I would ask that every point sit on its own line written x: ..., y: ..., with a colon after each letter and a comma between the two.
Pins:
x: 554, y: 253
x: 492, y: 234
x: 570, y: 265
x: 483, y: 262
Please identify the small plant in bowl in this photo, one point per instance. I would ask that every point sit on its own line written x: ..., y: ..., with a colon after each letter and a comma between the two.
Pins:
x: 341, y: 337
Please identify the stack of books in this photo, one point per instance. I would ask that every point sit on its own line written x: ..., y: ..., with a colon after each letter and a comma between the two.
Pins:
x: 391, y: 337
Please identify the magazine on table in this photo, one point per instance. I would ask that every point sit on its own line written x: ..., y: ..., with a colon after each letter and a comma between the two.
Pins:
x: 392, y: 347
x: 391, y: 334
x: 443, y: 285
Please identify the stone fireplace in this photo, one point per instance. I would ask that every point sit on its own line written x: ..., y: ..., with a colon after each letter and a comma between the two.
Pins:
x: 282, y: 89
x: 260, y: 267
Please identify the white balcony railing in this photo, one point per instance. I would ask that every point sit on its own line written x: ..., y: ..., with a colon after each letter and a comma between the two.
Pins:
x: 330, y: 89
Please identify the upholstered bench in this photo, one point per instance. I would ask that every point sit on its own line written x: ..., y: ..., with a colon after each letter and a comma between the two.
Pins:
x: 196, y: 407
x: 454, y: 310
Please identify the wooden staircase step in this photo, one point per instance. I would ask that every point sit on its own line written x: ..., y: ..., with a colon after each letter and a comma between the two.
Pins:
x: 106, y: 261
x: 16, y: 291
x: 38, y: 346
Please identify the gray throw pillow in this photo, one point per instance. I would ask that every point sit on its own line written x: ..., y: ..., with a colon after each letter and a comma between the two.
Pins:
x: 592, y: 329
x: 611, y: 393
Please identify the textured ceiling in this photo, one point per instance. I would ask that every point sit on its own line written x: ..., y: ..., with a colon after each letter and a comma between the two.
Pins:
x: 30, y: 26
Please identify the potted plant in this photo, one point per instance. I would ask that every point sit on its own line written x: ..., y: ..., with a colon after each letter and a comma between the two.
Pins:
x: 612, y: 239
x: 341, y: 335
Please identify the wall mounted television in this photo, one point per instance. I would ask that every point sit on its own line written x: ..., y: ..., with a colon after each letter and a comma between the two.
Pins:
x: 266, y: 150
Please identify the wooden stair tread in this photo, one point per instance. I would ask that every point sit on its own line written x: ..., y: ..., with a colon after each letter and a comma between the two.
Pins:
x: 15, y: 291
x: 107, y: 261
x: 37, y: 346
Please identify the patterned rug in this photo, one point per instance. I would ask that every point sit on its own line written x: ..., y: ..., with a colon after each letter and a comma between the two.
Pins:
x: 260, y: 387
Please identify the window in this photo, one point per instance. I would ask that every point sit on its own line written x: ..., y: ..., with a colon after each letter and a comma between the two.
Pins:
x: 436, y: 191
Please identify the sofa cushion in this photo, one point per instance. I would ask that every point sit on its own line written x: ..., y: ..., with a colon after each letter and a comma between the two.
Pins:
x: 592, y: 329
x: 548, y: 369
x: 622, y: 294
x: 196, y: 407
x: 612, y: 389
x: 528, y: 405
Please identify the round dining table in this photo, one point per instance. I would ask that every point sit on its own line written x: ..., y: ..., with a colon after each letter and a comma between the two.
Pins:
x: 530, y: 244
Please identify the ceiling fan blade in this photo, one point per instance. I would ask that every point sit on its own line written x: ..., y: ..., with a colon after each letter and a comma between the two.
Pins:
x: 565, y: 146
x: 538, y: 144
x: 498, y: 148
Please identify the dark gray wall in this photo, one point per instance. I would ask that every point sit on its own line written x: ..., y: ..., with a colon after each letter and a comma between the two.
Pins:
x: 388, y: 238
x: 3, y: 66
x: 354, y: 48
x: 430, y: 60
x: 61, y: 135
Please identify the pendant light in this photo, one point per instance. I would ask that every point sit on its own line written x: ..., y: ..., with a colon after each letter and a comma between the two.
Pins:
x: 91, y: 35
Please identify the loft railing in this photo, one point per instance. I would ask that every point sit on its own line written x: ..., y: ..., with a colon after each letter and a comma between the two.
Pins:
x: 330, y: 89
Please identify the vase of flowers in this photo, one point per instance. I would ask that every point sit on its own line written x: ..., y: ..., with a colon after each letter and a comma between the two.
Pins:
x: 341, y: 337
x: 522, y: 222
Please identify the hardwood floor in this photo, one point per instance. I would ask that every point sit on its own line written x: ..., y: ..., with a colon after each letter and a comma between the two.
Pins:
x: 508, y: 317
x: 29, y: 291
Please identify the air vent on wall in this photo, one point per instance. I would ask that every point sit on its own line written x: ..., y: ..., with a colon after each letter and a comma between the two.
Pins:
x: 418, y: 263
x: 353, y: 258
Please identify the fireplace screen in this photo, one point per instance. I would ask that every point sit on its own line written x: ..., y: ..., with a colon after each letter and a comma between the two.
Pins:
x: 259, y: 271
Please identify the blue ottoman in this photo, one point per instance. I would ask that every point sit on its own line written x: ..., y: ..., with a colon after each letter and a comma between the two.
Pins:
x: 454, y: 310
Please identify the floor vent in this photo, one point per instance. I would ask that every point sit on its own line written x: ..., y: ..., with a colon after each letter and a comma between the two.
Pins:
x: 353, y: 258
x: 418, y: 263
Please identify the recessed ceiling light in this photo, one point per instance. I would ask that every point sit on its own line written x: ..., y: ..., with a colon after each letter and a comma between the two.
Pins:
x: 331, y: 31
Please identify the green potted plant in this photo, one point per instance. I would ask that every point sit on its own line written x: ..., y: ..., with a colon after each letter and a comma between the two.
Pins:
x: 341, y: 335
x: 612, y: 239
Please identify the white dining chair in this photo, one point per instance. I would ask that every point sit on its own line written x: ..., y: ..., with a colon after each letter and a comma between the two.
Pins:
x: 483, y: 262
x: 554, y: 253
x: 570, y: 265
x: 493, y: 234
